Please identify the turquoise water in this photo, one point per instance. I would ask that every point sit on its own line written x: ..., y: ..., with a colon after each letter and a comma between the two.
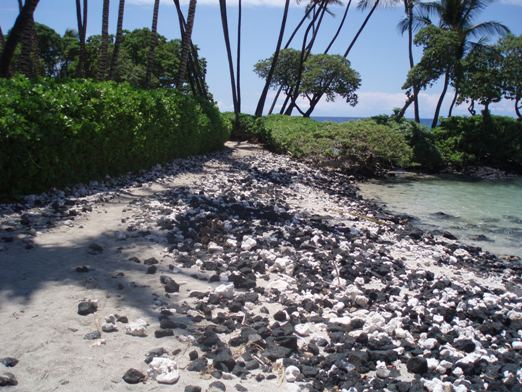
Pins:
x: 482, y: 213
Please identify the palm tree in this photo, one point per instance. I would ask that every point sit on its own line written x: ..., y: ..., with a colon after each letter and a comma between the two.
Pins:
x: 81, y: 18
x: 28, y: 60
x: 2, y: 39
x: 153, y: 42
x: 458, y: 16
x: 186, y: 43
x: 407, y: 25
x: 224, y: 24
x: 22, y: 22
x: 102, y: 64
x: 117, y: 41
x: 264, y: 93
x: 238, y: 57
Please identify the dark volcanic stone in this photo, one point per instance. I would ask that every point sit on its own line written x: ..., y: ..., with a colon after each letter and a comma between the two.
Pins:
x: 133, y: 376
x: 197, y: 365
x: 82, y: 269
x: 151, y: 261
x: 193, y: 355
x: 275, y: 352
x: 92, y: 335
x: 192, y: 388
x: 240, y: 388
x: 9, y: 361
x: 152, y: 269
x: 162, y: 333
x: 466, y: 345
x: 87, y: 307
x: 280, y: 316
x: 170, y: 285
x: 157, y: 352
x: 223, y: 360
x: 217, y: 386
x: 417, y: 365
x: 7, y: 379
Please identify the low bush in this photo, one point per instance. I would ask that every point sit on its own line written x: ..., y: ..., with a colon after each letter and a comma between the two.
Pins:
x: 481, y: 141
x: 57, y: 133
x: 362, y: 147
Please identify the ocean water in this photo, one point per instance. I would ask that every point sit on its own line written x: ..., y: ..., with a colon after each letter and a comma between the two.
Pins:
x: 482, y: 213
x: 424, y: 121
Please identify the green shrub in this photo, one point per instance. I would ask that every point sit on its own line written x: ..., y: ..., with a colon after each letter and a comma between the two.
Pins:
x: 481, y: 141
x: 250, y: 128
x: 361, y: 146
x: 57, y: 133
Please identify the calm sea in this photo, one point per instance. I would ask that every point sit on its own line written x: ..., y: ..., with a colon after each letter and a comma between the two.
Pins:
x: 424, y: 121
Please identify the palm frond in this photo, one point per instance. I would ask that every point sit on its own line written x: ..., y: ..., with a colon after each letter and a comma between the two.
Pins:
x: 486, y: 29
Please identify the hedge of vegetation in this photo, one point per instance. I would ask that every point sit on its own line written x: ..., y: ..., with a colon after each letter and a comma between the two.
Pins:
x: 57, y: 133
x: 363, y: 147
x: 481, y: 141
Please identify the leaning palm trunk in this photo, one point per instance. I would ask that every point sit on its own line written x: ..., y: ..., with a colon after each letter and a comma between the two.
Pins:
x: 441, y: 99
x: 264, y: 93
x: 117, y: 41
x: 82, y: 32
x: 22, y: 22
x: 409, y: 10
x: 102, y: 64
x: 316, y: 98
x: 186, y: 44
x: 238, y: 57
x: 153, y: 43
x: 224, y: 24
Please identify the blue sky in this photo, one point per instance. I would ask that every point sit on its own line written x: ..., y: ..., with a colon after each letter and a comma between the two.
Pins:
x: 380, y: 55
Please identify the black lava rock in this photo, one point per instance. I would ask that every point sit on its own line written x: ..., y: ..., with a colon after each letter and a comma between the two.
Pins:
x: 133, y: 376
x: 466, y: 345
x: 87, y: 307
x: 169, y: 284
x: 8, y: 379
x: 197, y: 365
x: 9, y: 361
x: 192, y: 388
x: 223, y: 360
x: 92, y: 335
x: 417, y: 365
x: 217, y: 386
x: 193, y: 355
x: 280, y: 316
x: 162, y: 333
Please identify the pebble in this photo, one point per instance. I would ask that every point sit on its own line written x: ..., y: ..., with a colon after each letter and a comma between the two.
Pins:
x: 133, y: 376
x: 137, y: 328
x: 292, y: 373
x: 8, y: 379
x: 9, y: 361
x: 163, y: 370
x: 87, y: 307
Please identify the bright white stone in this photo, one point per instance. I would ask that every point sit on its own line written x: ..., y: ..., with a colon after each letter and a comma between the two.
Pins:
x: 214, y: 248
x: 516, y: 345
x: 291, y: 373
x: 428, y: 344
x: 230, y: 243
x: 279, y: 284
x: 137, y: 328
x: 225, y: 290
x: 302, y: 329
x: 458, y: 371
x: 381, y: 370
x: 109, y: 327
x: 432, y: 363
x: 248, y: 243
x: 461, y: 253
x: 163, y: 370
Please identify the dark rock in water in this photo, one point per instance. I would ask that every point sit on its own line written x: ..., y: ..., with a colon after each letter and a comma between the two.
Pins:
x: 151, y: 261
x: 170, y: 285
x: 197, y: 365
x: 152, y: 269
x: 417, y: 365
x: 9, y: 361
x: 223, y: 360
x: 442, y: 215
x: 217, y: 386
x: 157, y: 352
x: 92, y: 335
x: 162, y: 333
x: 466, y: 345
x: 133, y: 376
x: 82, y: 269
x: 449, y: 236
x: 87, y: 307
x: 280, y: 316
x: 481, y: 237
x: 95, y: 249
x: 8, y: 379
x: 192, y: 388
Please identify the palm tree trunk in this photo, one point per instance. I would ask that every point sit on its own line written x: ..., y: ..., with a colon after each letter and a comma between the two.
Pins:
x: 102, y: 64
x: 315, y: 99
x: 2, y: 39
x: 409, y: 8
x: 339, y: 28
x: 518, y: 106
x: 264, y: 93
x: 238, y: 57
x: 287, y: 99
x: 275, y: 100
x: 185, y: 44
x: 441, y: 99
x: 453, y: 102
x: 82, y: 31
x: 15, y: 35
x: 153, y: 43
x: 305, y: 50
x: 117, y: 41
x: 194, y: 66
x: 224, y: 24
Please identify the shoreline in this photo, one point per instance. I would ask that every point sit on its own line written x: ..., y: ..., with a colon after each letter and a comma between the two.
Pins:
x: 282, y: 277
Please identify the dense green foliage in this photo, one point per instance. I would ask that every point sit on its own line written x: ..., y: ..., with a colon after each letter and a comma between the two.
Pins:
x: 58, y: 56
x: 57, y: 133
x: 363, y: 147
x: 493, y: 141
